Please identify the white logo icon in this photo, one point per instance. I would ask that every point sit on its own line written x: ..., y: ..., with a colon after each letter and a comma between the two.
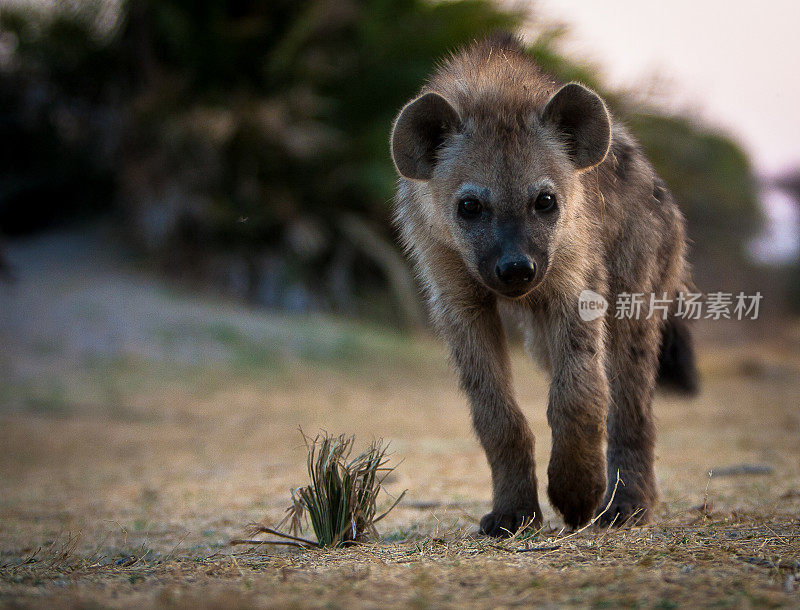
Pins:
x: 591, y: 305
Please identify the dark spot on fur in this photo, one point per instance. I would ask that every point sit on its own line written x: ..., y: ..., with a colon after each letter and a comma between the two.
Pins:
x: 582, y: 346
x: 623, y: 159
x: 637, y: 352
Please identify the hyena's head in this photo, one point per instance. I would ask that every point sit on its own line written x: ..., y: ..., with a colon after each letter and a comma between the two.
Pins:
x: 504, y: 185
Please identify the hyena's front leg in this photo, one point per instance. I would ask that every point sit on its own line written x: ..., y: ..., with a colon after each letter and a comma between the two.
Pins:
x: 633, y: 359
x: 476, y: 338
x: 576, y: 413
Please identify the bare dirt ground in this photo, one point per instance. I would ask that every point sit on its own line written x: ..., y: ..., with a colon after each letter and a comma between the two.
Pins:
x: 143, y: 428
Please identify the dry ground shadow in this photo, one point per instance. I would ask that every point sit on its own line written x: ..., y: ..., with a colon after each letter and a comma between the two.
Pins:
x: 142, y: 429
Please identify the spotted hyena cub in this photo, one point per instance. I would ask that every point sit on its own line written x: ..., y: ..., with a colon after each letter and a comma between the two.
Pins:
x: 519, y: 193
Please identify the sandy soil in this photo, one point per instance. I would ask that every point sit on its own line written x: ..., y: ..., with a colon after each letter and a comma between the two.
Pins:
x: 142, y: 428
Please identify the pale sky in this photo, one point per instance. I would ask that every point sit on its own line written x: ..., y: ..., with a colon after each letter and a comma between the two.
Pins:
x: 731, y: 64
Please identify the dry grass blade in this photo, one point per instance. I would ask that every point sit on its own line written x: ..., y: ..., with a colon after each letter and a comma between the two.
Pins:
x: 236, y: 541
x: 260, y: 529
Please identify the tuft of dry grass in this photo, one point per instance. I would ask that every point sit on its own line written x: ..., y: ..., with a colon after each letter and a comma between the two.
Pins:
x: 341, y: 499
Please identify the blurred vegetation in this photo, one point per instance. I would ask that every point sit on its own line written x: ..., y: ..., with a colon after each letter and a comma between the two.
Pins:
x: 790, y: 183
x: 57, y: 111
x: 245, y: 143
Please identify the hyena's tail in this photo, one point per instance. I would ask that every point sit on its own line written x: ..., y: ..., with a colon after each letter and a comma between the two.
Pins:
x: 677, y: 368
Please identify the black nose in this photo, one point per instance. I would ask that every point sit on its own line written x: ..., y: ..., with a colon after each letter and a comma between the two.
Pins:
x: 518, y: 270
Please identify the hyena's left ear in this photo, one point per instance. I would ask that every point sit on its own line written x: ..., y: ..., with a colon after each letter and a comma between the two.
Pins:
x: 418, y: 132
x: 582, y: 116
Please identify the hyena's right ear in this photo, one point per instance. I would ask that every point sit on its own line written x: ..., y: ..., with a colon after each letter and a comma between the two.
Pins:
x: 418, y: 132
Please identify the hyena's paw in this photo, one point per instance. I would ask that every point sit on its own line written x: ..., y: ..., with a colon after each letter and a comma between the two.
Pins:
x: 576, y: 495
x: 625, y: 509
x: 504, y: 524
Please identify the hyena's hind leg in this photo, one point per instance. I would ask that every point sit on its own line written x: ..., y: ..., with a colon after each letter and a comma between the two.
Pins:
x: 632, y: 368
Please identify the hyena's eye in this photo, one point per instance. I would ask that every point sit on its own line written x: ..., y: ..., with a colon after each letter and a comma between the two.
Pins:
x: 469, y: 208
x: 545, y: 202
